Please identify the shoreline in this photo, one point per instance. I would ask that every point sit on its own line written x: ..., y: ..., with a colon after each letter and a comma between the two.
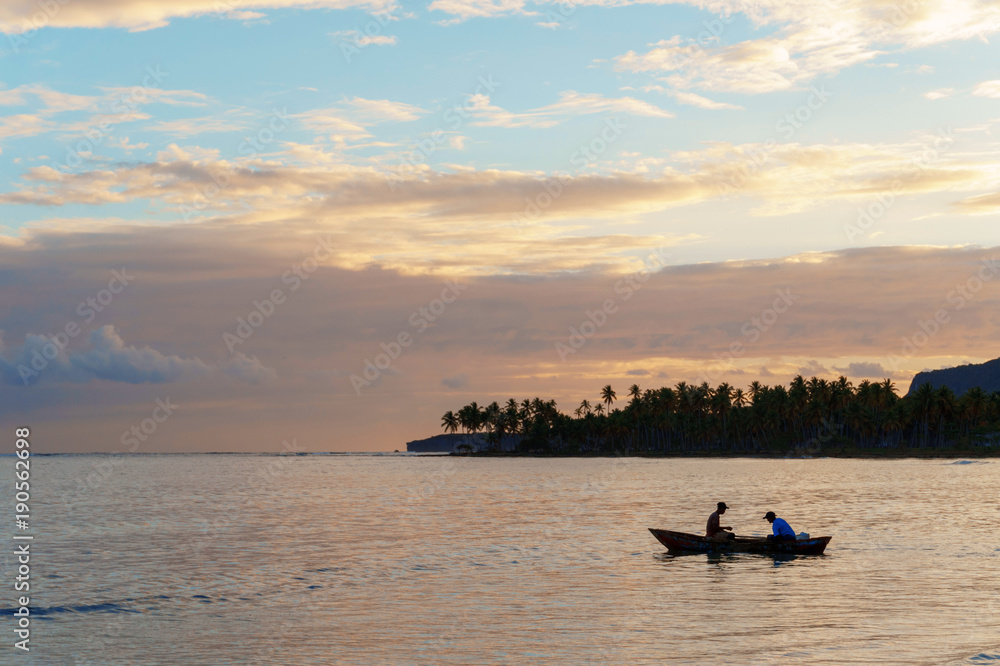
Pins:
x: 909, y: 454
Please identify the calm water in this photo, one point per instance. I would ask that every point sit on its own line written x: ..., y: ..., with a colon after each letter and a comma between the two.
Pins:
x: 395, y: 559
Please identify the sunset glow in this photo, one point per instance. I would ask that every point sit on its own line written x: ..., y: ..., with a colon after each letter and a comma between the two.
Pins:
x: 330, y: 221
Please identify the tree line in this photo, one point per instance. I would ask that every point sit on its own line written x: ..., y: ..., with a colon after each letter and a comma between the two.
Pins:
x: 807, y: 416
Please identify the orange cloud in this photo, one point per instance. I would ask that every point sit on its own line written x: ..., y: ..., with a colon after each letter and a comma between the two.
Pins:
x: 498, y: 339
x: 136, y: 15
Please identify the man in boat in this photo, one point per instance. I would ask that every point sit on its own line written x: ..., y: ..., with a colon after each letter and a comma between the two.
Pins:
x: 782, y: 530
x: 713, y: 530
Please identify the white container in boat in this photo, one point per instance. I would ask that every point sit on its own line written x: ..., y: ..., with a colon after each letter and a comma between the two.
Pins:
x: 802, y: 536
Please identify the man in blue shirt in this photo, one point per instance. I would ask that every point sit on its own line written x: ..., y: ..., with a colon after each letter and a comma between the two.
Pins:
x: 782, y: 530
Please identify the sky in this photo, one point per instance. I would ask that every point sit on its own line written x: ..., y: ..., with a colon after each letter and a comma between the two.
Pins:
x: 263, y: 225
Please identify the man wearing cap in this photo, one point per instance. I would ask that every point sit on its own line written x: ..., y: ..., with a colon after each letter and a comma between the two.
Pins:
x: 713, y: 529
x: 782, y: 530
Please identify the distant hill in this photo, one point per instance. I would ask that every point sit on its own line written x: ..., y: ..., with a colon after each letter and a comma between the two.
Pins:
x: 984, y: 375
x: 451, y: 442
x: 445, y: 443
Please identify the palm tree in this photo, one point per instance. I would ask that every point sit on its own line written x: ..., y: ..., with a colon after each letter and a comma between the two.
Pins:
x: 608, y: 395
x: 947, y: 407
x: 721, y: 402
x: 449, y: 422
x: 537, y: 406
x: 923, y: 404
x: 698, y: 418
x: 740, y: 398
x: 492, y: 421
x: 798, y: 394
x: 972, y: 406
x: 512, y: 415
x: 470, y: 418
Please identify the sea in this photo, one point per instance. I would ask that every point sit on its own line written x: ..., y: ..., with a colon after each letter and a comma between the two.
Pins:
x: 404, y: 559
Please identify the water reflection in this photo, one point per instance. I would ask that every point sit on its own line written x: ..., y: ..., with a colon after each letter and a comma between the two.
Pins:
x: 402, y: 560
x: 718, y: 559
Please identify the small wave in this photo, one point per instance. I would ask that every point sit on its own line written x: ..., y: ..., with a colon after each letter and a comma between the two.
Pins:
x: 984, y: 659
x: 107, y: 607
x: 969, y: 462
x: 92, y: 608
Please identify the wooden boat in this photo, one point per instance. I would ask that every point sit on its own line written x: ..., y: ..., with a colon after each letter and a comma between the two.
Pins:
x: 679, y: 542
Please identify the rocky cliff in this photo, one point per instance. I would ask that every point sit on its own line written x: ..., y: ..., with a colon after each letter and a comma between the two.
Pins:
x: 445, y: 443
x: 961, y: 379
x: 451, y: 442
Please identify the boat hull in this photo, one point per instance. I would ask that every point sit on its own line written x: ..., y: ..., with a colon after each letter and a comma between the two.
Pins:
x: 680, y: 542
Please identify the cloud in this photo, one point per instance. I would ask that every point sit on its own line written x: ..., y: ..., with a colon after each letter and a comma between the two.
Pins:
x: 358, y: 192
x: 109, y: 358
x: 53, y: 102
x: 463, y: 10
x: 415, y: 225
x: 351, y: 119
x: 863, y: 369
x: 106, y: 109
x: 458, y: 381
x: 988, y: 89
x: 198, y: 278
x: 984, y: 204
x: 748, y: 67
x: 571, y: 104
x: 856, y: 172
x: 24, y: 124
x: 940, y: 93
x: 41, y: 359
x: 13, y: 97
x: 153, y: 95
x: 113, y: 360
x: 703, y: 102
x: 807, y: 39
x: 382, y: 110
x: 123, y: 143
x: 360, y: 40
x: 333, y: 124
x: 813, y: 369
x: 378, y: 40
x: 136, y: 15
x: 186, y: 127
x: 248, y: 369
